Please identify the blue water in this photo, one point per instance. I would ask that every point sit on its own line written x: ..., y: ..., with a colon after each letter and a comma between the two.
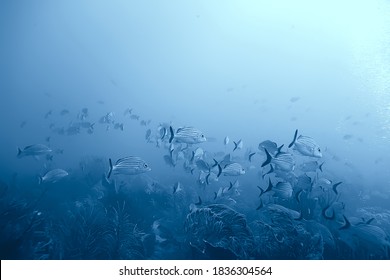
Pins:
x: 249, y: 70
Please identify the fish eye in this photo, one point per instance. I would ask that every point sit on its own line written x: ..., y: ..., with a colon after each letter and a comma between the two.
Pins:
x: 145, y: 165
x: 319, y: 149
x: 202, y: 136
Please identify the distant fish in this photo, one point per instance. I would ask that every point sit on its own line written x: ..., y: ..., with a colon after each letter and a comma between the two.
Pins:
x: 128, y: 111
x: 169, y: 160
x: 269, y: 171
x: 347, y: 137
x: 134, y: 117
x: 34, y: 150
x: 306, y: 145
x: 177, y: 187
x: 238, y: 145
x: 250, y: 156
x: 282, y: 161
x: 233, y: 169
x: 311, y: 166
x: 143, y: 123
x: 294, y: 99
x: 48, y: 114
x: 53, y: 176
x: 226, y: 140
x: 64, y: 112
x: 22, y: 124
x: 148, y: 134
x: 130, y: 165
x: 119, y: 126
x: 188, y: 135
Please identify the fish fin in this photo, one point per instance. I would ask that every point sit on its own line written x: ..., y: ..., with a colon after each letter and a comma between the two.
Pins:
x: 346, y: 225
x: 261, y: 191
x: 111, y: 167
x: 250, y: 156
x: 19, y: 152
x: 320, y: 166
x: 215, y: 163
x: 268, y: 160
x: 270, y: 186
x: 219, y: 171
x: 260, y: 206
x: 215, y: 195
x: 295, y: 138
x: 207, y: 179
x: 280, y: 149
x: 230, y: 186
x: 370, y: 220
x: 334, y: 187
x: 172, y: 134
x: 235, y: 146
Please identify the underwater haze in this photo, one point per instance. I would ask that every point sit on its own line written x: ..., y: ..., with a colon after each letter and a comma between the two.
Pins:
x: 195, y: 129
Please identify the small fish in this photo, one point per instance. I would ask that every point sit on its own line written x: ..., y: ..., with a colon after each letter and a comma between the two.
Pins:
x: 347, y: 137
x: 147, y: 134
x: 53, y: 176
x: 176, y: 187
x: 134, y: 117
x: 64, y: 112
x: 282, y: 161
x: 143, y: 123
x: 238, y: 145
x: 233, y: 169
x: 271, y: 147
x: 226, y: 140
x: 48, y: 114
x: 294, y: 99
x: 311, y: 166
x: 306, y: 145
x: 128, y: 111
x: 130, y: 165
x: 22, y: 124
x: 119, y: 126
x: 34, y: 150
x: 187, y: 135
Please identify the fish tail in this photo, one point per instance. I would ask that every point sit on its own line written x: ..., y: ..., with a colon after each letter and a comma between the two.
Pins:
x: 215, y: 163
x: 40, y: 180
x: 219, y: 170
x: 346, y: 225
x: 111, y: 167
x: 172, y: 134
x: 268, y: 160
x: 235, y: 146
x: 334, y: 187
x: 19, y: 152
x: 280, y: 148
x: 295, y: 138
x: 320, y: 167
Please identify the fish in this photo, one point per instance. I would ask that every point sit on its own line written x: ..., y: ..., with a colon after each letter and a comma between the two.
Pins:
x: 294, y: 99
x: 282, y: 161
x: 134, y: 117
x: 128, y: 111
x: 250, y: 156
x: 34, y: 150
x: 64, y: 112
x: 269, y: 172
x: 130, y: 165
x: 48, y: 114
x: 305, y: 145
x: 283, y: 190
x: 177, y: 187
x: 226, y: 140
x: 238, y: 145
x: 119, y: 126
x: 233, y: 169
x: 22, y: 124
x: 271, y: 147
x: 311, y: 166
x: 188, y: 135
x: 147, y: 134
x: 169, y: 160
x: 53, y: 176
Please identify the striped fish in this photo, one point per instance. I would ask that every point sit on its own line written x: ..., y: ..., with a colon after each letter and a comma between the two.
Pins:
x: 233, y: 169
x: 306, y: 145
x: 34, y: 150
x: 53, y: 176
x: 283, y: 190
x: 282, y: 161
x: 188, y: 135
x: 130, y: 165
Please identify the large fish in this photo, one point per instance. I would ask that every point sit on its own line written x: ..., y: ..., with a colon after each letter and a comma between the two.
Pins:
x: 188, y: 135
x: 305, y: 145
x: 34, y: 150
x: 53, y: 176
x: 130, y: 165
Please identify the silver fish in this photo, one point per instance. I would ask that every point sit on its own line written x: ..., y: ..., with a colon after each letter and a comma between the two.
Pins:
x: 130, y: 165
x: 282, y: 161
x: 189, y: 135
x: 306, y: 145
x: 233, y: 169
x: 311, y: 166
x: 53, y: 176
x: 226, y: 140
x: 283, y: 190
x: 34, y: 150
